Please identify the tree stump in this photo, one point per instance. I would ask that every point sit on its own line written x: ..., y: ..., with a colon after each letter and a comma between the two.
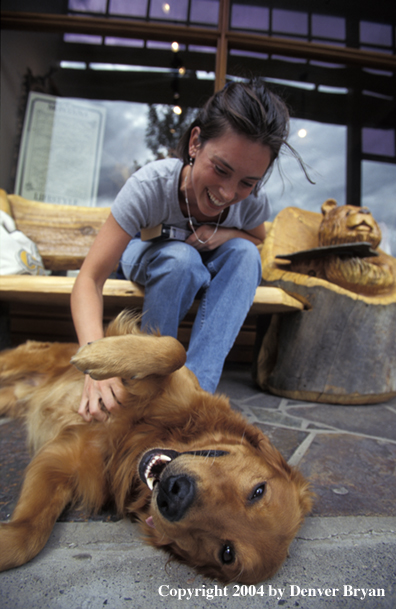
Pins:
x: 341, y: 348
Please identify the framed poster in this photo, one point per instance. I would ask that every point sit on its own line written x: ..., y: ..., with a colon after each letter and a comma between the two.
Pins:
x: 61, y: 149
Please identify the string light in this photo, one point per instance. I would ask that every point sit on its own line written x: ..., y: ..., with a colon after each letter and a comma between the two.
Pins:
x: 302, y: 133
x: 177, y: 110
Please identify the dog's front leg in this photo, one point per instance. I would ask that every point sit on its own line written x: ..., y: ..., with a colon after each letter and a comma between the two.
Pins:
x: 130, y: 357
x: 41, y: 502
x: 55, y: 477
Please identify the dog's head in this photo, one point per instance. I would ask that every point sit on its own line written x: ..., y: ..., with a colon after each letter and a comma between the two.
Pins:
x: 230, y: 512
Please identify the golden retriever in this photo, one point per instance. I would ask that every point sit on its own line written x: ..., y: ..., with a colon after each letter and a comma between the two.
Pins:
x: 205, y: 485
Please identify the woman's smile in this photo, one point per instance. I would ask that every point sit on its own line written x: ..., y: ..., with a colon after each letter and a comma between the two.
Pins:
x: 215, y: 201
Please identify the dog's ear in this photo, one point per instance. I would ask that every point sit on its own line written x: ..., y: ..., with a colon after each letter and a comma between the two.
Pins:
x: 276, y: 460
x: 260, y: 441
x: 130, y: 357
x: 306, y: 496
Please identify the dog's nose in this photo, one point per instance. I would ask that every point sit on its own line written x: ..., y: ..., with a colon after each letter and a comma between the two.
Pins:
x: 175, y: 495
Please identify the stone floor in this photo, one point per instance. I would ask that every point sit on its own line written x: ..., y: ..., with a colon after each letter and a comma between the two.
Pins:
x: 348, y: 453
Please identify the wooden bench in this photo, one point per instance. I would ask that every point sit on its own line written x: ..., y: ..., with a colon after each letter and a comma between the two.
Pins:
x: 37, y: 307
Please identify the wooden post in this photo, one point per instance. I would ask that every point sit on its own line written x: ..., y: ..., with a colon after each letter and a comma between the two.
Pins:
x: 222, y: 45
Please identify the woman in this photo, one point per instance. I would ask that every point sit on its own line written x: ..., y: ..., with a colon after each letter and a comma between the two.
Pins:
x: 214, y: 192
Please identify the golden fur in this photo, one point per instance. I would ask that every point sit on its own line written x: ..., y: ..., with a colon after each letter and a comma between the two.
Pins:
x: 226, y: 503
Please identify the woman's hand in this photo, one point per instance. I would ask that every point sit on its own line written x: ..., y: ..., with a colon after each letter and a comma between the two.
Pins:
x: 100, y: 398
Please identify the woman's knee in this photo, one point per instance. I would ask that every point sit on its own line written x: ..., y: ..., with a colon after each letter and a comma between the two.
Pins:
x: 177, y: 256
x: 244, y: 255
x: 244, y: 247
x: 181, y: 264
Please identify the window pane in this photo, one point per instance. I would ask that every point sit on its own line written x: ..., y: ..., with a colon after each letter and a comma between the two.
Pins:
x: 172, y: 10
x: 378, y: 141
x: 135, y: 8
x: 124, y: 42
x: 83, y: 38
x: 328, y: 27
x: 290, y: 22
x: 154, y: 44
x: 245, y: 17
x: 375, y: 33
x: 195, y: 48
x: 378, y: 194
x: 253, y: 54
x: 88, y: 6
x: 205, y: 11
x: 323, y: 149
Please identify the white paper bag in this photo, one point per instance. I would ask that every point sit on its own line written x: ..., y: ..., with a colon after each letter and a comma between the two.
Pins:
x: 18, y: 254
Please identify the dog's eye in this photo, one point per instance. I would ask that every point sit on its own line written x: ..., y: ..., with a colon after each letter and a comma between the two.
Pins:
x: 258, y: 492
x: 227, y: 554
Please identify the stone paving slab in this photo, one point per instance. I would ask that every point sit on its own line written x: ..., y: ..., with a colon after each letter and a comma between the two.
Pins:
x: 351, y: 475
x: 376, y: 420
x: 97, y: 565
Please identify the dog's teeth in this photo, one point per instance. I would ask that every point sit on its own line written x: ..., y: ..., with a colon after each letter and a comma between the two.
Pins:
x: 157, y: 459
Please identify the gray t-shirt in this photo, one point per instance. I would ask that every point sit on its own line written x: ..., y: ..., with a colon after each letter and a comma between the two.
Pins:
x: 150, y: 197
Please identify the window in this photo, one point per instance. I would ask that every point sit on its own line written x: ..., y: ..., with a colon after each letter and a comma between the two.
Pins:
x: 312, y: 53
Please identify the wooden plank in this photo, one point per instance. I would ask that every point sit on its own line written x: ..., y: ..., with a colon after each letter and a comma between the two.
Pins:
x: 274, y: 300
x: 222, y: 47
x: 62, y: 233
x: 42, y: 289
x: 48, y: 323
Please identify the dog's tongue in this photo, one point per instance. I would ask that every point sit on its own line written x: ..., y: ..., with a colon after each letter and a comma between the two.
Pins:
x: 150, y: 522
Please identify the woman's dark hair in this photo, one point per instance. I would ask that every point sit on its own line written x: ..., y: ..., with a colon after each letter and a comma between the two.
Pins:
x: 250, y: 109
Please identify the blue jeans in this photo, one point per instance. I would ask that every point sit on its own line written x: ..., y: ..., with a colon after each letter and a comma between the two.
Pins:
x: 173, y: 273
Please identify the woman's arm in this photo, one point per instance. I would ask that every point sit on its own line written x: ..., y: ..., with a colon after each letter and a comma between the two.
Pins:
x: 87, y: 312
x: 255, y: 235
x: 86, y: 298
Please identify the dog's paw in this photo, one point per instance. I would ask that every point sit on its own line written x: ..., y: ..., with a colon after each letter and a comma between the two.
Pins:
x: 15, y: 550
x: 130, y: 357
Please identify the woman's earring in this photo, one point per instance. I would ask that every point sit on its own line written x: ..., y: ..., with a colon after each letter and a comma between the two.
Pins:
x: 191, y: 161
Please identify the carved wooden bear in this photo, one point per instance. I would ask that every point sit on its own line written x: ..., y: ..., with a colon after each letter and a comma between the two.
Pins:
x: 351, y: 224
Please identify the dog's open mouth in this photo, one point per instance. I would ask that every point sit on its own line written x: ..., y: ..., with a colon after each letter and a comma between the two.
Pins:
x: 154, y: 461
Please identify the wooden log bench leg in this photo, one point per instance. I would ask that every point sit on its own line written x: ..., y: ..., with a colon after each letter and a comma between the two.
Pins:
x: 341, y: 351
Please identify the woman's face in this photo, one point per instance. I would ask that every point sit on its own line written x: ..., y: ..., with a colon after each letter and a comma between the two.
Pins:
x: 225, y: 170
